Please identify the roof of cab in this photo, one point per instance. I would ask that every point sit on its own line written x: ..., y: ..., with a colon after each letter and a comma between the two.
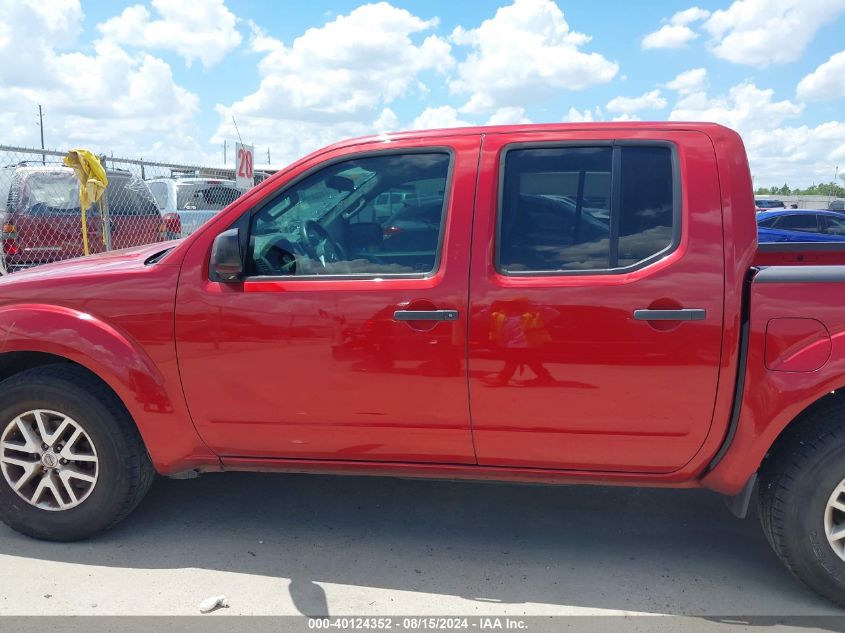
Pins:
x: 712, y: 129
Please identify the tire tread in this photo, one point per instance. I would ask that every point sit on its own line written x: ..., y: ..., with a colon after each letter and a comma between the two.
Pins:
x: 781, y: 478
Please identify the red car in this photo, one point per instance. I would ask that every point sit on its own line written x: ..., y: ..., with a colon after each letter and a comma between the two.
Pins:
x: 42, y: 221
x: 593, y: 308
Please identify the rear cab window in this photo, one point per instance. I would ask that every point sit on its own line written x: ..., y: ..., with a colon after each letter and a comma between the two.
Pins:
x: 205, y: 196
x: 586, y: 209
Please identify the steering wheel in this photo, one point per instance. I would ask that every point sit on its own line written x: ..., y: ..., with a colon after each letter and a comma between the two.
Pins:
x: 319, y: 245
x: 278, y: 259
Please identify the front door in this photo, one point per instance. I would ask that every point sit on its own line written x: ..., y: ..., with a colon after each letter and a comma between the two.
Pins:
x: 597, y: 292
x: 347, y: 340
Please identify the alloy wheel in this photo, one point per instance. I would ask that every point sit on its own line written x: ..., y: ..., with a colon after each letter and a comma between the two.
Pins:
x: 48, y: 459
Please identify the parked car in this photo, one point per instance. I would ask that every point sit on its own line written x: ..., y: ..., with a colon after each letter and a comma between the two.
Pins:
x: 836, y: 205
x: 188, y: 203
x: 801, y: 226
x: 42, y: 221
x: 765, y: 205
x: 291, y: 335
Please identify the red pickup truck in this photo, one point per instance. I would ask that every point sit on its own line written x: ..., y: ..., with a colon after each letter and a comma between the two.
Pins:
x: 559, y: 304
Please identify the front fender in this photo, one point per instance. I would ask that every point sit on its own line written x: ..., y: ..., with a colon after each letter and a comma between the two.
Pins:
x: 151, y: 393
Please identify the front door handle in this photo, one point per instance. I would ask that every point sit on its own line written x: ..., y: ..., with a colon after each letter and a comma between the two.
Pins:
x: 426, y: 315
x: 684, y: 314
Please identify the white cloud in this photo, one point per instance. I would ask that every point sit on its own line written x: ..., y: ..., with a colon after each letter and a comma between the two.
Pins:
x: 435, y: 118
x: 201, y: 30
x: 798, y: 155
x: 765, y: 32
x: 524, y: 53
x: 688, y: 16
x: 825, y: 82
x: 744, y: 108
x: 107, y: 99
x: 508, y: 116
x: 626, y: 117
x: 676, y: 33
x: 581, y: 116
x: 628, y: 105
x: 778, y: 151
x: 335, y: 80
x: 386, y: 122
x: 693, y: 80
x: 669, y: 36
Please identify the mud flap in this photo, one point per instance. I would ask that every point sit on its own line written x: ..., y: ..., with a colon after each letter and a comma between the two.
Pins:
x: 739, y: 503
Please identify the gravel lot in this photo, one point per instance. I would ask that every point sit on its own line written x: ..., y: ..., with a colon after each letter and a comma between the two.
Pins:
x: 316, y: 545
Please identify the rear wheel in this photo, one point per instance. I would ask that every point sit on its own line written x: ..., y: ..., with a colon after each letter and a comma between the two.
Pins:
x: 802, y: 501
x: 72, y: 462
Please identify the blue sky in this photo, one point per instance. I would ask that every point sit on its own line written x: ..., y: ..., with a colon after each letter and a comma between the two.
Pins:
x: 158, y: 79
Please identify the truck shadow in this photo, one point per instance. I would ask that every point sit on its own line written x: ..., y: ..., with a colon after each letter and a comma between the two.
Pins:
x: 654, y: 551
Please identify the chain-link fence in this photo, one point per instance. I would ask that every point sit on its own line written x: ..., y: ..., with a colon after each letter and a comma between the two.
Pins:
x: 144, y: 202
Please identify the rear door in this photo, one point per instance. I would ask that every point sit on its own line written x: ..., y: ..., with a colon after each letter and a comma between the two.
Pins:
x: 596, y: 303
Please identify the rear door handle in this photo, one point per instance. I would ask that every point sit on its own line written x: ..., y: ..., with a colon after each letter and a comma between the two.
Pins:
x: 426, y: 315
x: 685, y: 314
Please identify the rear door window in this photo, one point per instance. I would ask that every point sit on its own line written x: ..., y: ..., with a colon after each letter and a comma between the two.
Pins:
x: 805, y: 222
x: 571, y: 209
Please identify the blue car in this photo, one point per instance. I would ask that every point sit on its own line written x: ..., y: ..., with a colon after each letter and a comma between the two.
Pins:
x: 800, y: 225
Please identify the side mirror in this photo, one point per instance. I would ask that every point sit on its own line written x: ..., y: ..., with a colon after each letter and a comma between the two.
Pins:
x: 227, y: 265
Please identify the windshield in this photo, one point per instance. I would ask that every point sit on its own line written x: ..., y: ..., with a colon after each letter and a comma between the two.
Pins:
x: 316, y: 197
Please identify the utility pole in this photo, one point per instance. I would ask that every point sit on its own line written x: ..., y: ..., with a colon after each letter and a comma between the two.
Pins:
x: 224, y: 151
x: 268, y: 155
x: 41, y: 126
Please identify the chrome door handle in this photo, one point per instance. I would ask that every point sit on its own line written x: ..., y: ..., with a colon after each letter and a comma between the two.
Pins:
x: 426, y: 315
x: 685, y: 314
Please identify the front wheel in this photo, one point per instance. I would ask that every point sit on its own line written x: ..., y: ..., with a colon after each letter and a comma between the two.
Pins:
x: 72, y: 462
x: 802, y: 501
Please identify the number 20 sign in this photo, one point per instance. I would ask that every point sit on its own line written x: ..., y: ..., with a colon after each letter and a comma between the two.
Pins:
x: 244, y: 176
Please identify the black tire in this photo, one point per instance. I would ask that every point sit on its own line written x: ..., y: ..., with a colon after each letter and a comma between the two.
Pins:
x: 796, y: 482
x: 125, y: 471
